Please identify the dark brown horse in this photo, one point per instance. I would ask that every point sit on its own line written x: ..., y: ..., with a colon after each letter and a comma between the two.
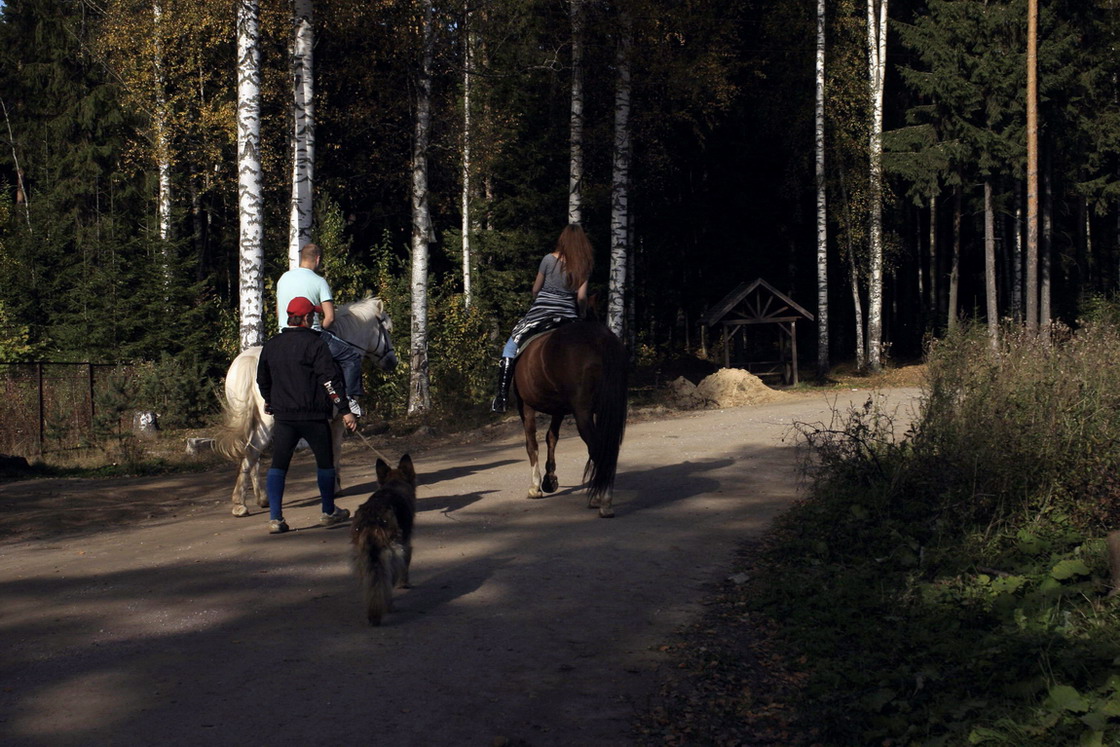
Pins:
x: 578, y: 369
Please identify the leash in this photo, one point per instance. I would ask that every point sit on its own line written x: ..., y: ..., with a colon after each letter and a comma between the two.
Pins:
x: 373, y: 448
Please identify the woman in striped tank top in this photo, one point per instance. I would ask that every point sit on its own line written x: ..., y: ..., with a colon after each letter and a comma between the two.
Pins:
x: 559, y: 293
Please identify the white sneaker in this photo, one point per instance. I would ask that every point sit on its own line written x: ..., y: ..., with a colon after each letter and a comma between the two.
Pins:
x: 355, y: 407
x: 329, y: 520
x: 277, y: 526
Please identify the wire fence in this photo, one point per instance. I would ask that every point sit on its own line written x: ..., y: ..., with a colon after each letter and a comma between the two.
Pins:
x: 52, y: 407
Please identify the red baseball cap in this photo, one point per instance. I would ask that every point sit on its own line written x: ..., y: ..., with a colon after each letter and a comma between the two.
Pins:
x: 302, y: 306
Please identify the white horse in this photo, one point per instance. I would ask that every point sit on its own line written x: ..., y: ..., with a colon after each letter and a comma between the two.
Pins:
x: 247, y: 430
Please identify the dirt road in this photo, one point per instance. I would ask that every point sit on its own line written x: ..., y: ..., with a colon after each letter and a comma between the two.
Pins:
x: 141, y: 612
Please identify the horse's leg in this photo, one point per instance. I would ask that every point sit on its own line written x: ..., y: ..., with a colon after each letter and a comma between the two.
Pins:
x: 238, y: 496
x: 262, y: 437
x: 550, y: 483
x: 586, y: 426
x: 529, y: 422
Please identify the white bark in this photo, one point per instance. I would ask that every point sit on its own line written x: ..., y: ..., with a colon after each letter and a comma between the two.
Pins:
x: 163, y: 148
x: 990, y: 265
x: 419, y: 399
x: 575, y: 171
x: 823, y: 364
x: 468, y: 62
x: 1017, y: 260
x: 876, y: 68
x: 861, y: 348
x: 934, y: 281
x: 620, y: 183
x: 303, y: 130
x: 251, y: 251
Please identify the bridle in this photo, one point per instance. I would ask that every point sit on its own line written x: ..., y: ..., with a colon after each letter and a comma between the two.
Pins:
x: 380, y: 352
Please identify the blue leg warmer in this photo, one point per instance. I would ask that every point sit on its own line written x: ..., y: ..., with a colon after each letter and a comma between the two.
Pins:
x: 325, y: 478
x: 274, y: 486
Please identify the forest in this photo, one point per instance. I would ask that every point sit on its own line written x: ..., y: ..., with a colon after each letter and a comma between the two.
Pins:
x: 436, y: 150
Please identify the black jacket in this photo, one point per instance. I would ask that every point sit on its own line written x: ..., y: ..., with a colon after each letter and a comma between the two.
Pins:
x: 292, y: 369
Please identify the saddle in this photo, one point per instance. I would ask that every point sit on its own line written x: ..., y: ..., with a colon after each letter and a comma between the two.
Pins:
x: 539, y: 327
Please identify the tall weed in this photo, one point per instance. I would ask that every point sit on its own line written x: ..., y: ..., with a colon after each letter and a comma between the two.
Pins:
x: 949, y: 587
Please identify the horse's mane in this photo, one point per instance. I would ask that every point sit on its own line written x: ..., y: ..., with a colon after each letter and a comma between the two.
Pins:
x: 352, y: 317
x: 363, y: 310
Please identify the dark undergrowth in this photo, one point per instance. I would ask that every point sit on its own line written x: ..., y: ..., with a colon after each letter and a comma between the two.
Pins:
x: 946, y: 587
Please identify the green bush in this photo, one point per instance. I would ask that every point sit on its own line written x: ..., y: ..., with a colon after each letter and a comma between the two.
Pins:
x: 948, y: 587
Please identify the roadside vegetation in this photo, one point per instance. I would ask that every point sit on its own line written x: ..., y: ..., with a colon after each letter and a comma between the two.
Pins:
x: 949, y: 586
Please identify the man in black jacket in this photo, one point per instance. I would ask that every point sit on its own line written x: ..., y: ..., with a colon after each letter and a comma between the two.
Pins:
x: 301, y: 385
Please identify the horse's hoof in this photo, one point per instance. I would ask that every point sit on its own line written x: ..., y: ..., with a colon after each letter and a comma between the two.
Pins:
x: 606, y: 513
x: 535, y: 494
x: 594, y: 503
x: 240, y: 510
x: 262, y: 502
x: 549, y: 484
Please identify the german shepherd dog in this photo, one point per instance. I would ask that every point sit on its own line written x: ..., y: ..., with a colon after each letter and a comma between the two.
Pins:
x: 381, y: 532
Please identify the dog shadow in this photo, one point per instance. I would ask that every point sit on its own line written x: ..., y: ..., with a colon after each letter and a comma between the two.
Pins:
x: 431, y: 595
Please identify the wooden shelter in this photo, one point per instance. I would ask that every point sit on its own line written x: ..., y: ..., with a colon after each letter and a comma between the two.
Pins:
x: 759, y: 303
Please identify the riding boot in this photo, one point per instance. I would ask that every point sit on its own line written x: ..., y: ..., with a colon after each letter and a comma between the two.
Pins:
x: 505, y: 376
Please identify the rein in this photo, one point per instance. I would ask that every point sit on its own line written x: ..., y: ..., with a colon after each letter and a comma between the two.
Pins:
x: 382, y: 350
x: 373, y: 448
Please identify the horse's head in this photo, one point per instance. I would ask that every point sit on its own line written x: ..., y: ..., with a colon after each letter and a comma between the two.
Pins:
x: 366, y: 324
x: 388, y: 361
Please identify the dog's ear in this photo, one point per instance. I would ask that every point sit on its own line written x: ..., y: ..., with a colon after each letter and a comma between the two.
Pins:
x: 406, y: 469
x: 382, y: 471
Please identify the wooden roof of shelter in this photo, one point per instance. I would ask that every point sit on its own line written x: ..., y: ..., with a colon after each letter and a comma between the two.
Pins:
x: 757, y: 302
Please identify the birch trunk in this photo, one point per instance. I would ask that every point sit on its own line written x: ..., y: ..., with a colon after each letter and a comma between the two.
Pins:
x: 163, y: 150
x: 468, y: 62
x: 419, y: 400
x: 990, y: 281
x: 250, y: 250
x: 303, y: 130
x: 575, y: 170
x: 620, y: 182
x: 876, y: 60
x: 1032, y: 312
x: 955, y: 262
x: 1017, y: 259
x: 1045, y: 247
x: 823, y: 363
x: 934, y: 280
x: 861, y: 347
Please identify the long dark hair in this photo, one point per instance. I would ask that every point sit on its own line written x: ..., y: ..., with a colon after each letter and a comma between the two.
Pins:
x: 575, y: 250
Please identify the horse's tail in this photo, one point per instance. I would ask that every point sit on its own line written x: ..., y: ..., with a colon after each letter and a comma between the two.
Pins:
x: 240, y: 416
x: 239, y: 419
x: 609, y: 415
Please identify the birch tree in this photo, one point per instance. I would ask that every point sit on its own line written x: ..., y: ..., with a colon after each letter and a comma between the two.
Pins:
x: 1032, y: 315
x: 419, y: 399
x: 303, y: 130
x: 575, y: 171
x: 876, y: 69
x: 163, y: 145
x: 990, y: 280
x: 823, y: 364
x: 251, y: 249
x: 468, y: 63
x: 620, y: 178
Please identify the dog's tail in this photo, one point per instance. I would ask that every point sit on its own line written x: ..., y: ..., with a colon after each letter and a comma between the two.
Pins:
x: 374, y: 533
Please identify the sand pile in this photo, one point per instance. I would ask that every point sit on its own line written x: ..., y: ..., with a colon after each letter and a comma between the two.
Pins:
x: 728, y: 387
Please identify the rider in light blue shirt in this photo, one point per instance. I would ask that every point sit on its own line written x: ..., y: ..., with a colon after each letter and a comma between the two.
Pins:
x: 305, y: 282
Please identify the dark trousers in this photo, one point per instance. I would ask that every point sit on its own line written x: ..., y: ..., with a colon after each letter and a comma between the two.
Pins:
x: 287, y: 433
